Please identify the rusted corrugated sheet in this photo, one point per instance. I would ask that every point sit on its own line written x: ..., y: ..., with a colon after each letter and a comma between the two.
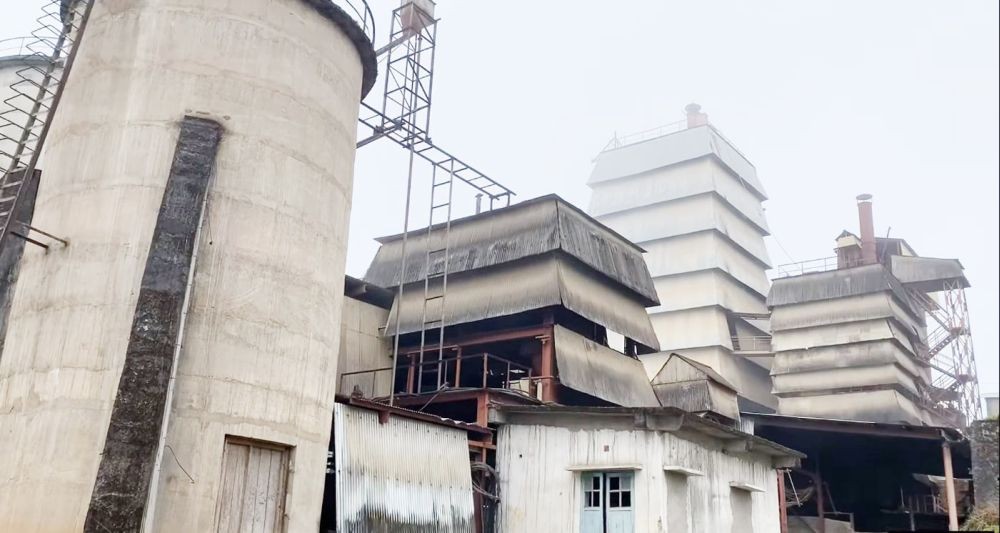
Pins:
x: 403, y: 475
x: 521, y: 231
x: 533, y: 283
x: 600, y: 371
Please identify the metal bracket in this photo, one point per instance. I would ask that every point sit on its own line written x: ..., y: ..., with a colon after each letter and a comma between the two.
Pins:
x: 27, y: 231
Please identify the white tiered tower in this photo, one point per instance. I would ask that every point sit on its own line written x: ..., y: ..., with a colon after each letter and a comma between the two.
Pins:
x: 693, y: 201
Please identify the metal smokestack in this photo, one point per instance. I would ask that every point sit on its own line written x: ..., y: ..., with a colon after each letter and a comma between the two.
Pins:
x: 867, y: 223
x: 694, y: 115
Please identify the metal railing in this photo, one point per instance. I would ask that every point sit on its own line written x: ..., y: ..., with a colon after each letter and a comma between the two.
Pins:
x: 16, y: 47
x: 645, y: 135
x: 811, y: 266
x: 359, y: 11
x: 924, y: 504
x: 760, y: 343
x: 480, y: 371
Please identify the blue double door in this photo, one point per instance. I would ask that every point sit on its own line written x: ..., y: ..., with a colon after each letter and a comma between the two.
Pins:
x: 607, y: 502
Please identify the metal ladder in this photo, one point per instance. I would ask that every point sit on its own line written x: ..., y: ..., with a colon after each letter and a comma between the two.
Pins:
x: 26, y: 116
x: 436, y: 266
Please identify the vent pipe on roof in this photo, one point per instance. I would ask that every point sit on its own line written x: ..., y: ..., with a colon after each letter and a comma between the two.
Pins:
x: 867, y: 223
x: 694, y: 115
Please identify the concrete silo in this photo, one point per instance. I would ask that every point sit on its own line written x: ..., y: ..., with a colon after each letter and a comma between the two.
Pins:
x: 256, y: 103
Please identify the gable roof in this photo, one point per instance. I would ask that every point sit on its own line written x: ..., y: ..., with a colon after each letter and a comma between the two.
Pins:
x: 704, y: 369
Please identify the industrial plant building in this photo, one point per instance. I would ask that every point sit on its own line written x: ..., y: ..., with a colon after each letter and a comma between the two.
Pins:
x: 186, y: 352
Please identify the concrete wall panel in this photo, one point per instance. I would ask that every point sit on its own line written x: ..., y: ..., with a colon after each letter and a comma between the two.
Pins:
x: 262, y: 332
x: 542, y: 494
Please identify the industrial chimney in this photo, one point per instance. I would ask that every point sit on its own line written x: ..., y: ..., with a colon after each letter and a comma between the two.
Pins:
x: 694, y: 115
x: 867, y: 224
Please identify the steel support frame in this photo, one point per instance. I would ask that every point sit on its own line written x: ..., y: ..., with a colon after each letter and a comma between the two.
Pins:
x: 950, y: 353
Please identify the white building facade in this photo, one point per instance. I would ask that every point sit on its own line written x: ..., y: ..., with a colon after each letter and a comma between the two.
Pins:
x: 619, y: 470
x: 693, y: 202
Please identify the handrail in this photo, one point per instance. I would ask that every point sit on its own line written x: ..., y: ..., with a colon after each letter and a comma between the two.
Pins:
x: 811, y: 266
x: 751, y: 343
x: 16, y: 47
x: 645, y: 135
x: 359, y: 11
x: 492, y: 366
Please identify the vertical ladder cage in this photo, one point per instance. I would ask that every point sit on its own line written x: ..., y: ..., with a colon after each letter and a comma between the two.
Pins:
x: 26, y: 115
x: 404, y: 118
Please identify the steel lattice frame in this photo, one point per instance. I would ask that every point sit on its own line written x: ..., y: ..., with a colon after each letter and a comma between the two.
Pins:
x: 955, y: 386
x: 963, y: 359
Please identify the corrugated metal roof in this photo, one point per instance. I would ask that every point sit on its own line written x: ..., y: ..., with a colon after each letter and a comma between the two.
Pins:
x: 704, y: 369
x: 380, y: 488
x: 508, y: 414
x: 928, y: 274
x: 600, y: 371
x: 840, y: 283
x: 684, y: 145
x: 534, y: 283
x: 514, y: 233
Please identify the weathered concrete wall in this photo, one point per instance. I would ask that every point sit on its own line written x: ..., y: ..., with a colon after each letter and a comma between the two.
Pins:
x: 363, y: 348
x: 539, y: 492
x: 13, y: 250
x: 121, y: 489
x: 983, y: 437
x: 258, y: 358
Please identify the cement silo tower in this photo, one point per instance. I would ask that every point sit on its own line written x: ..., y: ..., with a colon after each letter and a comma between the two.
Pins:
x: 692, y: 200
x: 174, y: 364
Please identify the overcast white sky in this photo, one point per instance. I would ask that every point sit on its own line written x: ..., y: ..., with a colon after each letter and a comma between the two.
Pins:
x: 828, y: 99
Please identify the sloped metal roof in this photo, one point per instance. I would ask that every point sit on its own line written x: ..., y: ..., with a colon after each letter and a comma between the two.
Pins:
x: 928, y: 274
x: 531, y: 228
x: 533, y: 283
x: 840, y: 283
x: 599, y: 371
x: 707, y: 371
x: 677, y: 147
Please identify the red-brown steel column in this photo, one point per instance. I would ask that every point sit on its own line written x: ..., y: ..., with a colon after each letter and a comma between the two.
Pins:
x: 548, y: 369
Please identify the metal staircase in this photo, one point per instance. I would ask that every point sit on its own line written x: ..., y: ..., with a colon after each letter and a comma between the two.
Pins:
x: 948, y: 351
x: 26, y: 116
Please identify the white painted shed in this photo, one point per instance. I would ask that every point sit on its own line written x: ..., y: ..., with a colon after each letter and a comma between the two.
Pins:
x: 625, y: 470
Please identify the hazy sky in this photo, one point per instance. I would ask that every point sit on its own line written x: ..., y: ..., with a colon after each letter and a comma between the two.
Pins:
x: 828, y: 99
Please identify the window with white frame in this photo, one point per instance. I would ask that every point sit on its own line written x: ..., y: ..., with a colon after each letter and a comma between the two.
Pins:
x: 607, y: 502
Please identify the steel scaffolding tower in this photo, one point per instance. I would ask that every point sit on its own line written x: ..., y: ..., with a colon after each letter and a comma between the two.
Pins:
x: 404, y: 118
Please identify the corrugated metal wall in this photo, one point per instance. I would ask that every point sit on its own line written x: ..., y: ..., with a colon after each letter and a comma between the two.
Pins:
x: 401, y: 476
x: 538, y: 493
